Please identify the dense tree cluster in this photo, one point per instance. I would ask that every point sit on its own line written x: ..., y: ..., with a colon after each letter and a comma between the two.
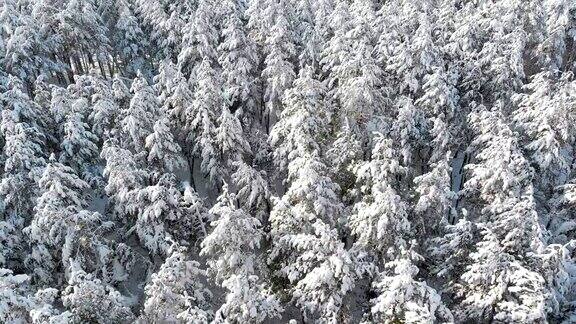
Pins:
x: 293, y: 161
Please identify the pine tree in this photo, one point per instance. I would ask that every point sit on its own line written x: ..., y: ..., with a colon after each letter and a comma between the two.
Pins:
x: 435, y: 200
x: 307, y: 40
x: 164, y: 152
x: 510, y: 230
x: 305, y: 245
x: 25, y: 110
x: 253, y: 190
x: 23, y: 160
x: 559, y: 26
x: 44, y: 310
x: 60, y: 105
x: 380, y: 221
x: 247, y: 302
x: 175, y: 293
x: 278, y: 73
x: 80, y: 24
x: 402, y: 298
x: 230, y: 138
x: 79, y: 146
x: 138, y: 118
x: 22, y: 167
x: 231, y: 250
x: 322, y: 270
x: 121, y: 92
x: 201, y: 38
x: 238, y: 59
x: 231, y: 244
x: 129, y: 40
x: 196, y: 215
x: 261, y: 15
x: 355, y: 77
x: 9, y: 241
x: 303, y: 123
x: 124, y: 177
x: 157, y: 205
x: 15, y: 301
x: 179, y: 102
x: 63, y: 196
x: 342, y: 155
x: 88, y: 299
x: 201, y: 121
x: 105, y: 111
x: 544, y: 116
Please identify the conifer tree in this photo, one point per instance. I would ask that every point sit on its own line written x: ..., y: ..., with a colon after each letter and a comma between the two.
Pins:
x: 15, y: 300
x: 230, y: 138
x: 278, y: 73
x: 510, y: 230
x: 105, y: 111
x: 88, y: 299
x: 157, y: 206
x: 79, y: 145
x: 303, y: 123
x: 201, y: 121
x: 238, y: 59
x: 138, y: 118
x: 63, y: 196
x: 128, y: 39
x: 124, y: 178
x: 175, y: 293
x: 253, y: 190
x: 164, y: 152
x: 232, y: 261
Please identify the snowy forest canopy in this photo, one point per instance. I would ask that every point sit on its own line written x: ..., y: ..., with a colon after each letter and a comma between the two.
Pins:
x: 287, y: 161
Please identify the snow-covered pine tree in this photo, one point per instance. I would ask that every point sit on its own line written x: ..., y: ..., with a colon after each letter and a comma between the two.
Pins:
x: 545, y: 116
x: 261, y: 15
x: 200, y: 39
x: 499, y: 195
x: 355, y: 78
x: 87, y: 299
x: 380, y: 220
x: 25, y: 110
x: 239, y: 60
x: 178, y: 103
x: 342, y: 155
x: 128, y: 40
x: 138, y: 119
x: 23, y: 161
x: 196, y: 217
x: 231, y: 245
x: 435, y: 197
x: 306, y: 250
x: 15, y: 298
x: 278, y: 73
x: 157, y: 205
x: 124, y: 176
x: 165, y: 155
x: 105, y: 111
x: 401, y: 297
x: 79, y: 145
x: 230, y: 138
x: 201, y: 121
x: 253, y: 190
x: 231, y: 250
x: 175, y: 292
x: 121, y: 92
x: 559, y: 27
x: 304, y: 121
x: 52, y: 227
